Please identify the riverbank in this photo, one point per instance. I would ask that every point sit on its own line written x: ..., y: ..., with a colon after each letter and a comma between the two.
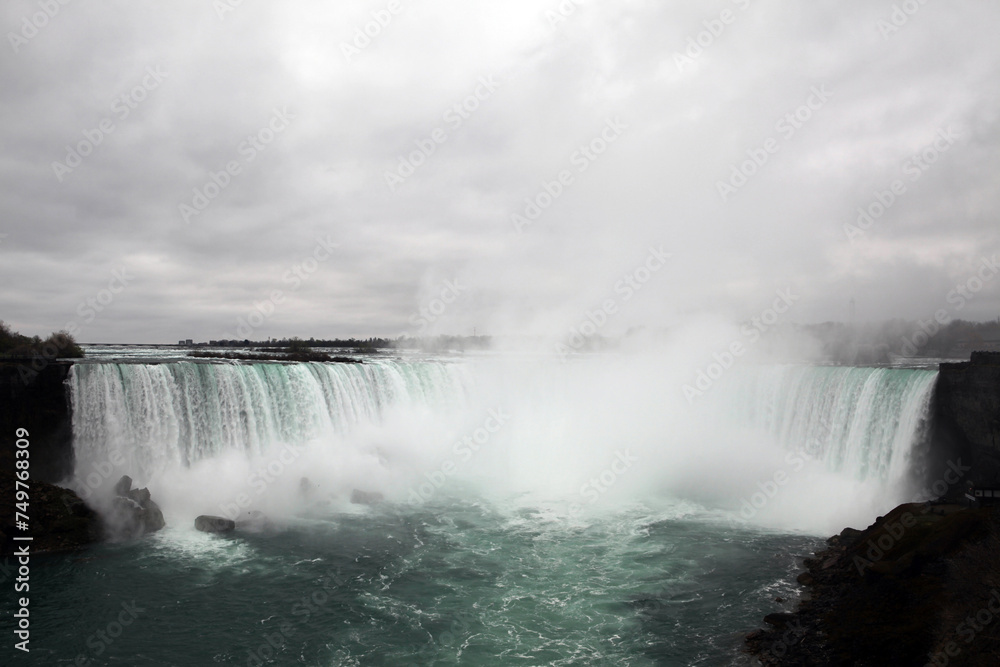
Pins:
x: 920, y: 586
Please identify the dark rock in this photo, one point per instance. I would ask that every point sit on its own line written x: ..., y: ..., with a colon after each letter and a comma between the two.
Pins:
x: 359, y: 497
x: 34, y: 396
x: 129, y: 519
x: 140, y: 496
x: 966, y: 422
x: 849, y: 534
x: 60, y: 520
x: 887, y: 595
x: 133, y: 512
x: 123, y: 486
x: 154, y: 517
x: 214, y: 524
x: 779, y: 620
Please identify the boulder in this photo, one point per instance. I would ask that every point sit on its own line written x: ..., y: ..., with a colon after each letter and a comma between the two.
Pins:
x: 359, y: 497
x: 123, y: 486
x: 214, y: 524
x: 130, y: 519
x: 133, y: 512
x: 140, y: 496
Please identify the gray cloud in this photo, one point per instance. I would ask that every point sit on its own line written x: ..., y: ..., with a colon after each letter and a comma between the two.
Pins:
x: 324, y: 174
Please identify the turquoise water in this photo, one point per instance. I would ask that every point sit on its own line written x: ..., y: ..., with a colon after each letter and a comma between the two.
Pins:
x: 456, y: 582
x: 536, y: 513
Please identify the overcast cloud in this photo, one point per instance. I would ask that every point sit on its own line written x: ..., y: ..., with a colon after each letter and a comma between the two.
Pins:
x: 185, y: 85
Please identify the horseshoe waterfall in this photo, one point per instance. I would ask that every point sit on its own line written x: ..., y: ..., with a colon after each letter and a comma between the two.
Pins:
x: 480, y: 510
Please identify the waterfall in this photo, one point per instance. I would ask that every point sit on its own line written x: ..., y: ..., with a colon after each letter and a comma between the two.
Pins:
x: 158, y: 415
x: 827, y: 445
x: 861, y: 422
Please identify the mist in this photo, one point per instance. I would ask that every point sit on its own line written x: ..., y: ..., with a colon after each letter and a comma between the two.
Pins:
x: 681, y: 423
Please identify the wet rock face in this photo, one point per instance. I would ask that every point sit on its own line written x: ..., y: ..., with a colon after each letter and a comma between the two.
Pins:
x: 133, y: 512
x: 359, y: 497
x: 214, y: 524
x: 894, y: 593
x: 966, y: 414
x: 34, y: 396
x: 60, y: 520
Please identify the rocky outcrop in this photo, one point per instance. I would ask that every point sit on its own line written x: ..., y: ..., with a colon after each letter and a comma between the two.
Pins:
x: 359, y: 497
x: 133, y: 512
x: 59, y: 520
x: 919, y: 586
x: 966, y: 415
x: 34, y: 396
x: 214, y: 524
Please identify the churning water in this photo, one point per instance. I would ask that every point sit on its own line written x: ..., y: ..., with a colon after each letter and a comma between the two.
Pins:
x: 535, y: 513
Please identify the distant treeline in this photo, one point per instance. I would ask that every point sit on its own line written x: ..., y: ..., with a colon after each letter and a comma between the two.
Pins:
x: 59, y: 345
x: 303, y: 356
x: 877, y: 342
x: 430, y: 344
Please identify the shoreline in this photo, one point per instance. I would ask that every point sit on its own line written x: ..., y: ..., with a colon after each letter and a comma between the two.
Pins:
x: 920, y: 586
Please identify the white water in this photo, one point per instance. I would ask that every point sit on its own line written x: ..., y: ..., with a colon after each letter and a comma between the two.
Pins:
x: 796, y: 447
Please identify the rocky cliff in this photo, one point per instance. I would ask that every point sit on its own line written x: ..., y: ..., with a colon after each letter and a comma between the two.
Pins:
x: 37, y: 400
x: 966, y: 415
x: 920, y: 586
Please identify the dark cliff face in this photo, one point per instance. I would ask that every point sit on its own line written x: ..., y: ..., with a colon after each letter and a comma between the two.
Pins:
x: 38, y: 402
x: 920, y: 586
x: 907, y: 591
x: 966, y: 415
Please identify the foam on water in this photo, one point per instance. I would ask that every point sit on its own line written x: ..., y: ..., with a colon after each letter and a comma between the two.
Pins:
x: 599, y: 432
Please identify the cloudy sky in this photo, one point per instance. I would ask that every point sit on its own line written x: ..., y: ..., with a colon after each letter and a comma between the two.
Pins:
x: 172, y: 170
